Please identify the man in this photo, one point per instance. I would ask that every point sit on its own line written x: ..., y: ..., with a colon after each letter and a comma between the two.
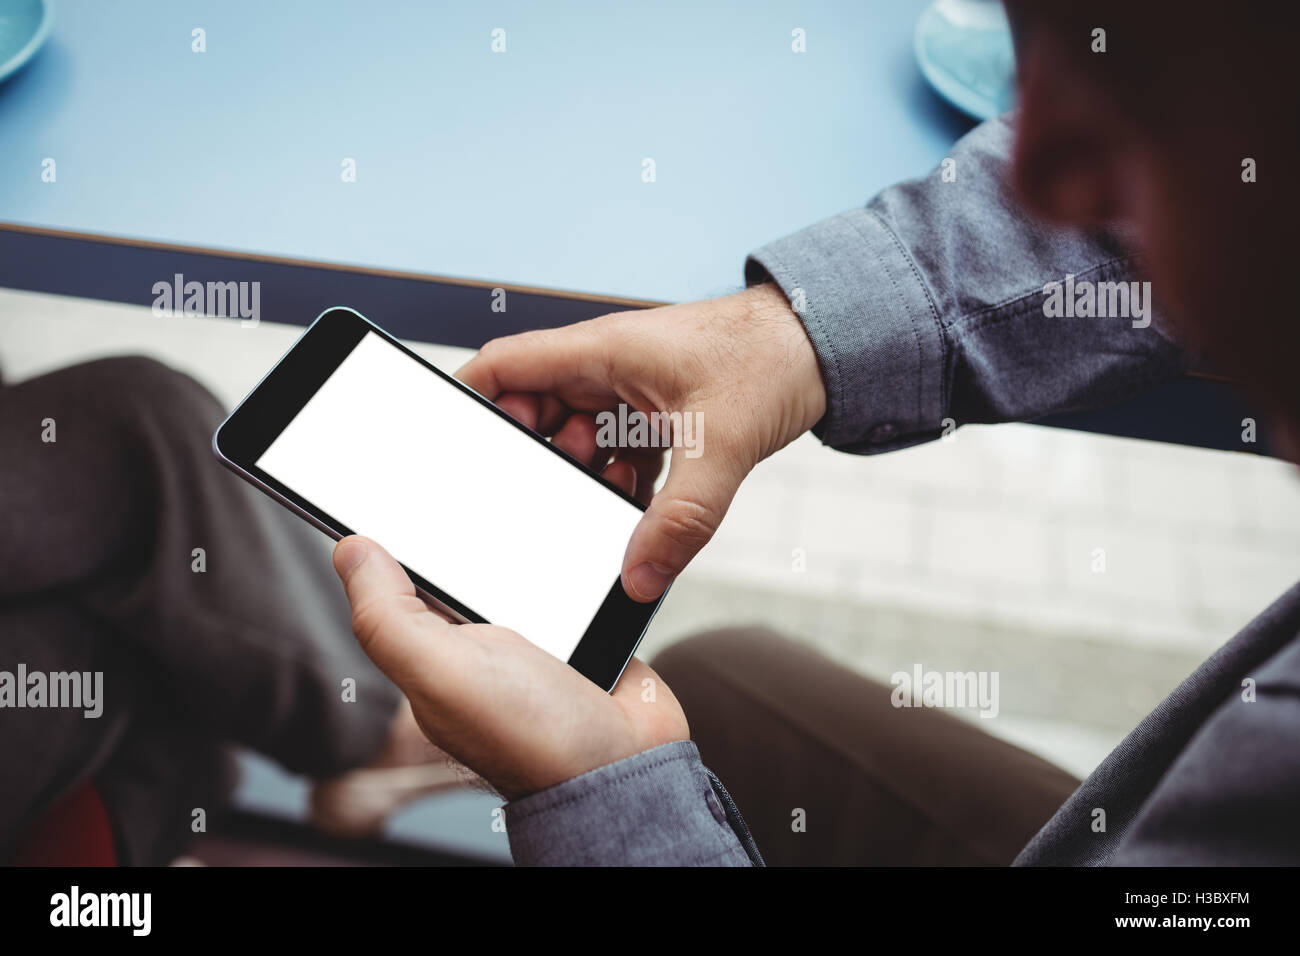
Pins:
x: 1152, y: 128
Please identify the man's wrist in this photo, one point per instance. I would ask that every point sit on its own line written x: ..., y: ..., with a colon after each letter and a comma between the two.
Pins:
x: 768, y: 305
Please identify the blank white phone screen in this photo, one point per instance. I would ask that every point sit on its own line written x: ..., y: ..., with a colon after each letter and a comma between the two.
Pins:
x: 458, y: 494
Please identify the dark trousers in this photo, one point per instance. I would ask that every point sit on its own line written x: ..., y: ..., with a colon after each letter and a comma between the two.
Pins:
x: 244, y: 642
x: 795, y: 737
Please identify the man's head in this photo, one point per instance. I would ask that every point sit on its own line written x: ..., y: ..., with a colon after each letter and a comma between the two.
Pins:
x: 1156, y: 132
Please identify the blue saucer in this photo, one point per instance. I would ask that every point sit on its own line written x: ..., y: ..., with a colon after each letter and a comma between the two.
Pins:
x: 24, y: 25
x: 964, y: 50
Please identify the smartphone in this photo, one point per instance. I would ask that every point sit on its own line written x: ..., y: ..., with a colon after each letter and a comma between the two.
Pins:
x: 357, y: 434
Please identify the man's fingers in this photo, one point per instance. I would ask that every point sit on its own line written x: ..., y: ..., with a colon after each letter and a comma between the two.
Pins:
x: 391, y: 622
x: 523, y: 407
x: 681, y: 519
x: 551, y: 414
x: 578, y: 438
x: 570, y: 362
x: 647, y: 463
x: 622, y: 474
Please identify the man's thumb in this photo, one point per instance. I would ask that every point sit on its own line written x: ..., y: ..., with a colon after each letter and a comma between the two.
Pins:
x: 389, y: 619
x: 681, y: 520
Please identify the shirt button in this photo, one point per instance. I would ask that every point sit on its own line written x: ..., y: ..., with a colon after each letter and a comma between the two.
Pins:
x: 882, y: 433
x: 715, y: 807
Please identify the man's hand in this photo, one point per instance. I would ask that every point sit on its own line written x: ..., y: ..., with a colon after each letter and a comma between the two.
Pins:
x: 520, y: 718
x: 743, y: 364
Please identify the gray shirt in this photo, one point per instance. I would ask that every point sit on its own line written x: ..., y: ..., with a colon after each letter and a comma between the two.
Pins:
x: 927, y: 309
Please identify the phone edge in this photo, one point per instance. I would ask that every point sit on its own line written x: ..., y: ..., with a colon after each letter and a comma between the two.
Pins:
x: 336, y: 535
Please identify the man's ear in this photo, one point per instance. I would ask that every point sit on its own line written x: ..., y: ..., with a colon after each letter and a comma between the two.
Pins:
x: 1073, y: 160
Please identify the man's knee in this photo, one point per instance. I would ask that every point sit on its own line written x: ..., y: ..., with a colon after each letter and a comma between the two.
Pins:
x: 147, y: 377
x: 130, y: 389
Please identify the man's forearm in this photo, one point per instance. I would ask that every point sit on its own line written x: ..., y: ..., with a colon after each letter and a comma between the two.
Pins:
x: 926, y: 308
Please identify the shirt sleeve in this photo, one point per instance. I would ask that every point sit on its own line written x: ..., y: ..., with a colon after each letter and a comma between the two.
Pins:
x: 928, y: 307
x: 658, y: 808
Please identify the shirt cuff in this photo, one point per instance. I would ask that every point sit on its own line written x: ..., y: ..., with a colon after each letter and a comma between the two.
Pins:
x: 872, y: 324
x: 658, y: 808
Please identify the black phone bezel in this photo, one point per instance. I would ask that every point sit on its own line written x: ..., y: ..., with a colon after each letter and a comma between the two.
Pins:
x: 614, y: 632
